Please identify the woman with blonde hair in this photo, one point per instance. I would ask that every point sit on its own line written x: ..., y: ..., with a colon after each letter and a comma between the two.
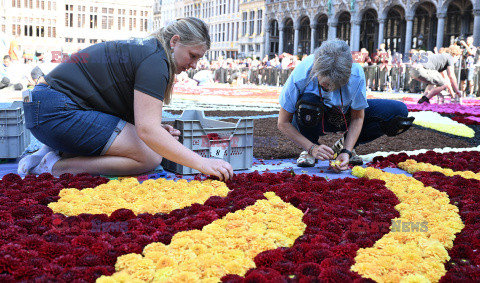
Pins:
x: 103, y: 107
x: 434, y: 70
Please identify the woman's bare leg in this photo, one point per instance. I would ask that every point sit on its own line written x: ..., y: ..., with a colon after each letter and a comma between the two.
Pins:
x: 128, y: 155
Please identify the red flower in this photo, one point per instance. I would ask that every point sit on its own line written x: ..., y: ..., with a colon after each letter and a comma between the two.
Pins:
x: 84, y: 241
x: 267, y: 258
x: 128, y: 248
x: 346, y: 250
x: 52, y: 250
x: 336, y: 274
x: 231, y: 278
x: 8, y: 264
x: 343, y: 262
x: 461, y: 251
x: 89, y: 260
x: 66, y: 261
x: 309, y: 269
x: 92, y: 273
x: 284, y: 266
x: 13, y: 178
x: 122, y: 215
x: 317, y: 255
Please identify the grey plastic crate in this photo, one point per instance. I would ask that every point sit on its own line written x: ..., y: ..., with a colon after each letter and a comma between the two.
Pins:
x: 210, y: 138
x: 14, y: 137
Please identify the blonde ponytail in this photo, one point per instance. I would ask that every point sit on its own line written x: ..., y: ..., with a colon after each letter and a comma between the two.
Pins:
x: 192, y: 31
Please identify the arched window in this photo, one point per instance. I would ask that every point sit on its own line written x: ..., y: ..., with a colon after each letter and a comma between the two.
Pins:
x: 394, y: 32
x: 369, y: 31
x: 288, y: 37
x: 322, y: 30
x: 304, y: 36
x: 343, y: 28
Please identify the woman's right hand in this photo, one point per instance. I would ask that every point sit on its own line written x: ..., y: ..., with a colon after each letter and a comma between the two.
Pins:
x: 217, y: 167
x: 322, y: 152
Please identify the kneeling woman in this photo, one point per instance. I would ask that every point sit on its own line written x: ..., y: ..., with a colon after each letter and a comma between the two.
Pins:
x: 103, y: 108
x: 326, y: 93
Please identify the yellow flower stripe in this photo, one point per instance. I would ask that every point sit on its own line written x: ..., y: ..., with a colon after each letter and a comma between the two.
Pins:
x: 410, y: 256
x: 152, y: 196
x: 412, y: 166
x: 458, y: 130
x: 226, y: 246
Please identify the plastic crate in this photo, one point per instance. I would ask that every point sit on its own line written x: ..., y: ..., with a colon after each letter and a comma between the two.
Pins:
x: 210, y: 138
x: 14, y: 137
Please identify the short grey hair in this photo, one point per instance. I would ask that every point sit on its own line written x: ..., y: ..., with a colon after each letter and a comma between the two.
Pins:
x: 333, y: 63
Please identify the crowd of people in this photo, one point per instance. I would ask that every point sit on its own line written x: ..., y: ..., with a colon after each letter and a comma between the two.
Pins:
x: 384, y: 70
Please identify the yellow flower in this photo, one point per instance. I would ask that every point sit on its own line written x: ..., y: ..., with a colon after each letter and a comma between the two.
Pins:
x: 415, y: 249
x: 208, y: 255
x: 414, y: 278
x: 151, y: 196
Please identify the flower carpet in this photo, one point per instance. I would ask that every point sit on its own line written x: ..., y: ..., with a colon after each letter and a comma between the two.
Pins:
x: 270, y: 227
x: 403, y: 217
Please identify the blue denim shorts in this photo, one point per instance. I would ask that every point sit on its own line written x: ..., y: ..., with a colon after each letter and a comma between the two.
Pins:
x: 55, y: 120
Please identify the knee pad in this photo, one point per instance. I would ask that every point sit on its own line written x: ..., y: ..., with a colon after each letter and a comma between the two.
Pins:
x: 397, y: 125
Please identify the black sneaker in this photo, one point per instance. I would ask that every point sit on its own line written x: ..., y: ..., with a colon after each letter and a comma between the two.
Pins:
x: 424, y: 99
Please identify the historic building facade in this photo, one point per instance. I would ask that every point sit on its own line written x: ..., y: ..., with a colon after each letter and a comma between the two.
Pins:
x: 222, y: 17
x: 252, y: 28
x: 42, y: 25
x: 298, y: 27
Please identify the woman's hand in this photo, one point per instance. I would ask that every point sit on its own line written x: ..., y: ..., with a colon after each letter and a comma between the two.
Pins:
x: 174, y: 132
x: 322, y: 152
x: 217, y: 167
x: 341, y: 163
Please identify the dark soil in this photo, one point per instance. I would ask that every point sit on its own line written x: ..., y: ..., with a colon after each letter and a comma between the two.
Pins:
x: 270, y: 143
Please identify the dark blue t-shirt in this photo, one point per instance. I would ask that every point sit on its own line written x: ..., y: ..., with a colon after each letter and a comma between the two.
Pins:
x: 103, y: 76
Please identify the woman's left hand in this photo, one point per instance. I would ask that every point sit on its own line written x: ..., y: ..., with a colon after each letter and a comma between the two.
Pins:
x: 174, y: 132
x: 341, y: 163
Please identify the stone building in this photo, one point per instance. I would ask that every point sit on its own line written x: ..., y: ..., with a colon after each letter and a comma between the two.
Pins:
x: 298, y: 27
x: 222, y: 18
x: 67, y: 26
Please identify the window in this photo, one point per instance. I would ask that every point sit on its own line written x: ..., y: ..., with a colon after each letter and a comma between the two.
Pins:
x: 81, y: 16
x: 81, y: 40
x: 244, y: 23
x: 40, y: 31
x: 236, y: 34
x: 223, y: 33
x: 69, y: 16
x: 243, y: 48
x: 121, y: 19
x: 93, y: 17
x: 252, y: 22
x: 257, y: 47
x: 68, y: 39
x: 93, y: 41
x: 259, y: 21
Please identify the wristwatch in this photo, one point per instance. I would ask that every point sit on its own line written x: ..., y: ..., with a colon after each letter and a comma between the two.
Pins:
x: 344, y: 150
